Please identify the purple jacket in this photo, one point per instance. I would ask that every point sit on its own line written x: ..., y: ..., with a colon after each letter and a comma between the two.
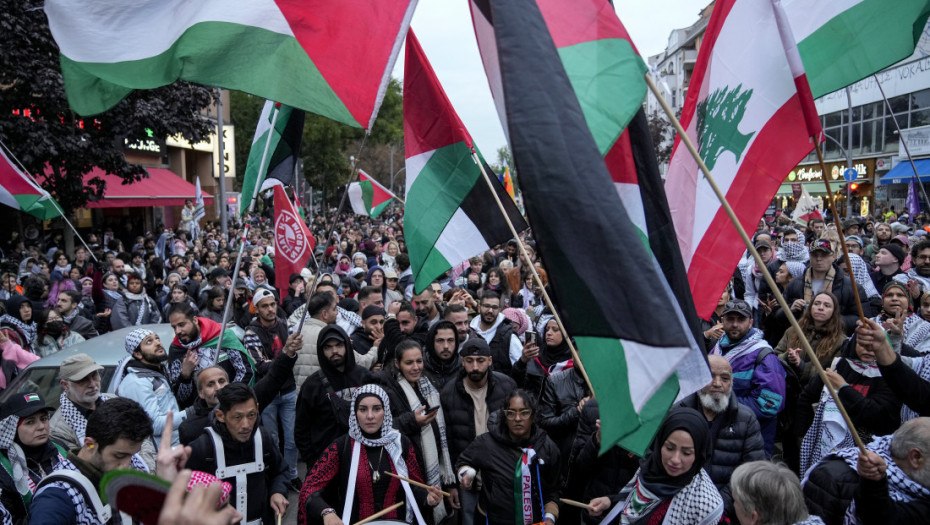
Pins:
x: 762, y: 387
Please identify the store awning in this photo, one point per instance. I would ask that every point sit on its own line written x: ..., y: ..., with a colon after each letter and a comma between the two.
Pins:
x: 813, y: 188
x: 162, y: 187
x: 903, y: 172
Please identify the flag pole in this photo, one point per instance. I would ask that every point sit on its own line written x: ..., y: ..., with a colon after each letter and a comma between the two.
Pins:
x: 23, y: 169
x: 332, y: 226
x: 839, y: 226
x: 246, y: 223
x: 536, y: 278
x: 758, y: 260
x: 907, y: 148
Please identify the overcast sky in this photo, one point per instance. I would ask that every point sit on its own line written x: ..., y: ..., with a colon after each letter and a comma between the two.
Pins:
x: 445, y: 31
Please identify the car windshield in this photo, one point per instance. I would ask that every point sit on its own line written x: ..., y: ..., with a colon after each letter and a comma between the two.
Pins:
x: 44, y: 381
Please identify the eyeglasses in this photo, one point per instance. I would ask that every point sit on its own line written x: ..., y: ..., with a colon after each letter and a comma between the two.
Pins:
x: 524, y: 413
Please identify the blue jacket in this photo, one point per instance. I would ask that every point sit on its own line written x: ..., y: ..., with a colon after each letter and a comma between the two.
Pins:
x: 150, y: 388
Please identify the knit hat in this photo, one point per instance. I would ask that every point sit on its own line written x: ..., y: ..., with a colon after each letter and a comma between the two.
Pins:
x: 856, y: 239
x: 521, y: 322
x: 372, y: 310
x: 902, y: 287
x: 796, y: 268
x: 897, y: 251
x: 135, y: 338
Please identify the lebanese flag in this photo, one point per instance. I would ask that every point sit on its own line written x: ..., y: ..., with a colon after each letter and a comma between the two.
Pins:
x: 329, y: 58
x: 746, y: 117
x: 293, y: 244
x: 368, y: 197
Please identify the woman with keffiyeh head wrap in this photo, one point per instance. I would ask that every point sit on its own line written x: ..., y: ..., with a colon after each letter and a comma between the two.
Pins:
x: 352, y: 468
x: 26, y: 453
x: 18, y: 323
x: 671, y: 485
x: 902, y: 324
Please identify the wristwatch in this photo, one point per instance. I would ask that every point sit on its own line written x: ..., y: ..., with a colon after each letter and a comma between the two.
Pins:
x: 327, y: 512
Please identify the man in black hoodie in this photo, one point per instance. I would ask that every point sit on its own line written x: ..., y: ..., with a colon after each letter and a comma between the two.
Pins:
x: 442, y: 362
x: 230, y: 450
x: 325, y: 397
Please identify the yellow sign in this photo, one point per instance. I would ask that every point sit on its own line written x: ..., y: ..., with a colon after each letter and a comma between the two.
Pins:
x: 864, y: 210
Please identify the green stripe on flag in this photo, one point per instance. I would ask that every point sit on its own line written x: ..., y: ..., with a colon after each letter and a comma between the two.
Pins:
x: 368, y: 194
x: 865, y: 38
x: 435, y: 195
x: 599, y: 70
x: 605, y: 364
x: 94, y: 87
x: 379, y: 209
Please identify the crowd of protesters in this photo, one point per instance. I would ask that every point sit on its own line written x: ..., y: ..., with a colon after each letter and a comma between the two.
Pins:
x: 460, y: 402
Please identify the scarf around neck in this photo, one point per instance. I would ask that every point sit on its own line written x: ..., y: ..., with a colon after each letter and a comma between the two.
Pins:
x: 28, y: 330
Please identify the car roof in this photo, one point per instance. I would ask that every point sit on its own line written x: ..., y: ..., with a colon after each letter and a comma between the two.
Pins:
x: 107, y: 349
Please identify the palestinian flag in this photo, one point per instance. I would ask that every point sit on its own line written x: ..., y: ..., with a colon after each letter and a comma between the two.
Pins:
x: 806, y: 208
x: 329, y: 58
x: 844, y: 41
x: 368, y: 197
x: 283, y: 151
x: 450, y: 213
x: 20, y: 192
x: 579, y: 222
x: 210, y: 335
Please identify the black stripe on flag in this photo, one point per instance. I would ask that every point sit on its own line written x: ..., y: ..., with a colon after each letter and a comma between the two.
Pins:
x: 480, y: 207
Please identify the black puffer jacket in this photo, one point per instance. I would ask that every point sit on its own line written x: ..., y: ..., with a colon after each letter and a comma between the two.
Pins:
x: 459, y: 409
x: 830, y: 487
x: 558, y: 409
x: 738, y: 441
x: 438, y: 371
x: 495, y: 456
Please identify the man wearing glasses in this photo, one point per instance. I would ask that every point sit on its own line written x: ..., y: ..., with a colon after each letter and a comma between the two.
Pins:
x: 497, y: 331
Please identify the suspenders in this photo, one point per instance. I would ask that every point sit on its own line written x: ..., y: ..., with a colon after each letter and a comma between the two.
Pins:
x: 239, y: 472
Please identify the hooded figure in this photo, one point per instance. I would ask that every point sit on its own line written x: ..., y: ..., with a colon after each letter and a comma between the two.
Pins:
x: 660, y: 494
x: 441, y: 371
x: 21, y: 332
x: 323, y: 403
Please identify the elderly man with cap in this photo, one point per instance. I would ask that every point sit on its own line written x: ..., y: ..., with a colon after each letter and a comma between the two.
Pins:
x: 758, y: 376
x: 146, y: 381
x: 467, y: 404
x: 26, y: 452
x: 823, y: 275
x: 79, y: 376
x: 265, y: 339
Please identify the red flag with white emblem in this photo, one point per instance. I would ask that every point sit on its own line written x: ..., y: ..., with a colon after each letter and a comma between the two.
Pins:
x: 293, y: 244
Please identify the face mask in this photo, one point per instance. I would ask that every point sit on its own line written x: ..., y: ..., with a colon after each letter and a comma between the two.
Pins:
x: 474, y: 286
x: 55, y: 328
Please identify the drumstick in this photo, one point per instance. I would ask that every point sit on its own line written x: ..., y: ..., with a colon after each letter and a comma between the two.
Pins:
x: 279, y: 519
x: 377, y: 515
x: 574, y: 503
x: 415, y: 483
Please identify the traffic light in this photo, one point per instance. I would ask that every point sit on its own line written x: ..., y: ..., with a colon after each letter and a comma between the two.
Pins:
x: 853, y: 186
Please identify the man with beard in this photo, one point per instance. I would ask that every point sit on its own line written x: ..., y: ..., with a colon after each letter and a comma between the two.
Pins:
x: 426, y: 306
x: 324, y: 400
x: 734, y: 429
x: 917, y: 279
x: 239, y: 451
x: 197, y: 345
x: 758, y: 383
x: 68, y: 307
x: 457, y: 314
x: 80, y: 383
x: 496, y: 330
x: 467, y: 403
x: 441, y: 361
x: 146, y: 383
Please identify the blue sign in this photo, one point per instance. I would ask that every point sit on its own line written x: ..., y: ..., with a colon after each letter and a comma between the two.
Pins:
x: 850, y: 174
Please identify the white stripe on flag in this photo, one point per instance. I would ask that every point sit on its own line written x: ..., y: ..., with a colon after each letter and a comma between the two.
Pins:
x: 355, y: 199
x: 460, y: 239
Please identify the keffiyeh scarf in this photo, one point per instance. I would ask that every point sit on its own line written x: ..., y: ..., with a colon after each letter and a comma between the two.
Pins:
x: 437, y: 465
x: 828, y: 432
x: 698, y: 503
x: 20, y: 471
x: 143, y: 308
x: 390, y: 439
x: 901, y: 488
x: 28, y: 330
x: 73, y: 416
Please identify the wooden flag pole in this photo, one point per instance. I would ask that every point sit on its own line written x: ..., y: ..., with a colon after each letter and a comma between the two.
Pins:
x: 536, y: 278
x: 377, y: 515
x: 758, y: 259
x: 839, y: 228
x: 413, y: 482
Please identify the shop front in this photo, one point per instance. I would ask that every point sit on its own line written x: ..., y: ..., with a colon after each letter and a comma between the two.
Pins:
x: 810, y: 177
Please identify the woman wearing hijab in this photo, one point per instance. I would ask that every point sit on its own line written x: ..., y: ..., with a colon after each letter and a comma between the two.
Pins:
x: 869, y: 401
x: 26, y: 453
x: 17, y: 323
x: 671, y: 486
x: 414, y: 396
x: 514, y: 448
x: 352, y: 468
